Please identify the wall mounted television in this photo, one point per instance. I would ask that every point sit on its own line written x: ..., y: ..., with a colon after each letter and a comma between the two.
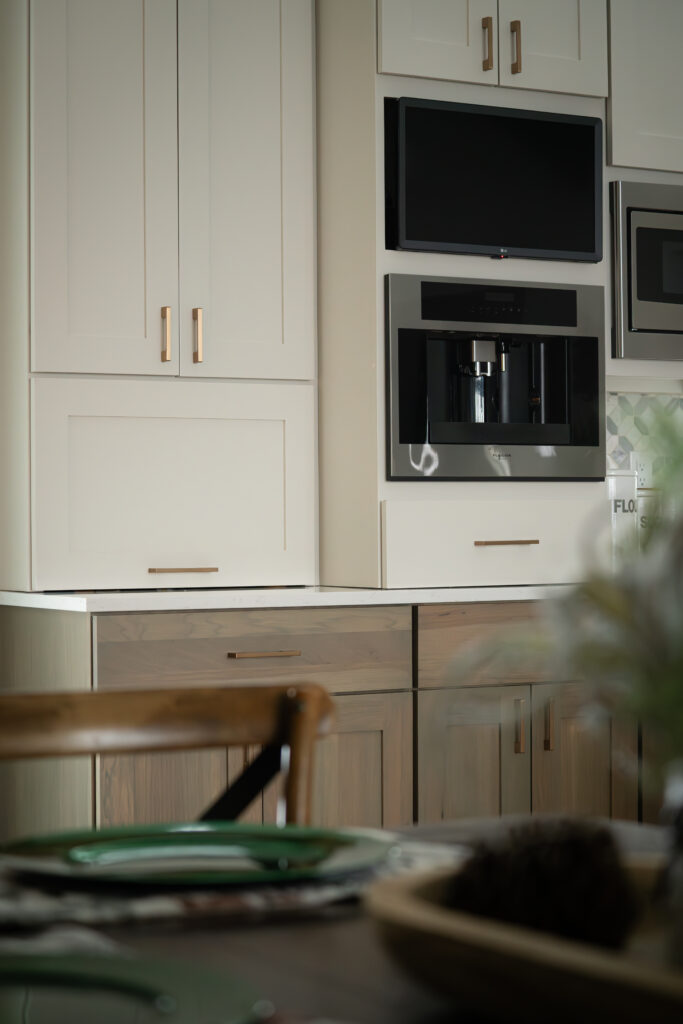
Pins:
x: 494, y: 181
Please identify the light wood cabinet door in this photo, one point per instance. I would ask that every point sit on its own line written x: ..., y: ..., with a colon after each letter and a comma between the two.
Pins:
x: 562, y: 45
x: 582, y: 763
x: 645, y: 111
x: 364, y: 769
x: 438, y: 39
x: 247, y: 187
x: 129, y: 476
x: 104, y: 186
x: 473, y: 752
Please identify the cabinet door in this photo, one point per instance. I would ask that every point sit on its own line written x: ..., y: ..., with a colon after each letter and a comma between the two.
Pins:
x: 247, y: 188
x: 364, y: 769
x: 105, y: 181
x: 562, y: 45
x: 439, y: 39
x: 211, y: 480
x: 582, y: 763
x: 473, y: 752
x: 646, y: 115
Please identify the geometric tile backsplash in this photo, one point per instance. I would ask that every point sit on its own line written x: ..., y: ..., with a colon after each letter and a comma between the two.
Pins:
x: 629, y: 419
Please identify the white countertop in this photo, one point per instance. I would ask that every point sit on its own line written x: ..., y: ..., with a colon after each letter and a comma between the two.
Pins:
x: 286, y: 597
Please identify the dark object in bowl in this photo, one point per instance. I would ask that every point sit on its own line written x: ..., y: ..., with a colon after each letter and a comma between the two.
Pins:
x: 563, y: 877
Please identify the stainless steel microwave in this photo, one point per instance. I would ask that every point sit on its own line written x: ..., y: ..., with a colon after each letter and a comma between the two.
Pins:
x: 648, y: 270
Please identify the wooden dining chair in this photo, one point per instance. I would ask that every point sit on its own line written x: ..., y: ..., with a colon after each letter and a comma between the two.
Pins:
x: 284, y: 720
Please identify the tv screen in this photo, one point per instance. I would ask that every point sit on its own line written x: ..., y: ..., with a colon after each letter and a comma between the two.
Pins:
x: 493, y: 180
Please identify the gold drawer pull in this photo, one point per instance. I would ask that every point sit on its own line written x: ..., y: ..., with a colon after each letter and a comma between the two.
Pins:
x: 516, y: 31
x: 264, y: 654
x: 520, y: 739
x: 487, y: 25
x: 549, y: 740
x: 501, y: 543
x: 166, y: 347
x: 192, y: 568
x: 198, y: 317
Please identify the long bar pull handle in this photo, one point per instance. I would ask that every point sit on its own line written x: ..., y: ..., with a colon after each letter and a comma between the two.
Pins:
x: 487, y: 25
x: 520, y: 738
x: 549, y: 739
x: 516, y: 31
x: 198, y: 317
x: 166, y: 346
x: 264, y: 654
x: 192, y: 568
x: 502, y: 543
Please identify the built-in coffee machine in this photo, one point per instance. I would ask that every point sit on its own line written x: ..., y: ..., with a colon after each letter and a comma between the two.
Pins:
x: 491, y: 379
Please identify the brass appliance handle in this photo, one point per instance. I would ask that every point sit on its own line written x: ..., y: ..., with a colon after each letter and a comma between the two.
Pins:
x: 166, y: 346
x: 516, y: 31
x: 487, y: 25
x: 520, y: 738
x: 502, y: 543
x: 549, y: 739
x: 198, y: 317
x: 193, y: 568
x: 264, y: 654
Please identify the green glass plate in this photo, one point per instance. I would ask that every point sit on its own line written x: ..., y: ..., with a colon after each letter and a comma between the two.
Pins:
x: 202, y: 853
x: 51, y: 989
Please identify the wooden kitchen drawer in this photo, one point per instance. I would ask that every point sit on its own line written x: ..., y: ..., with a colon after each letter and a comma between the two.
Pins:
x: 343, y: 649
x: 446, y: 630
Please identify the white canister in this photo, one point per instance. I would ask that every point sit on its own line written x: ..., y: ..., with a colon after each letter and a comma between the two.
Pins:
x: 622, y: 487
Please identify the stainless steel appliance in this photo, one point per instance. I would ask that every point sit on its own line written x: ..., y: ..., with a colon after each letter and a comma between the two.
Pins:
x: 648, y: 270
x: 491, y: 379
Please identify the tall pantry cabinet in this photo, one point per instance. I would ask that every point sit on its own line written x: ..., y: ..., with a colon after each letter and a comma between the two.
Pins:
x: 158, y: 354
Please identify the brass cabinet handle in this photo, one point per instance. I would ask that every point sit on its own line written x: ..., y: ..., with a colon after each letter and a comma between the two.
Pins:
x: 192, y: 568
x: 198, y: 317
x: 166, y: 347
x: 520, y: 738
x: 516, y: 31
x: 501, y: 543
x: 487, y: 25
x: 549, y: 740
x: 264, y: 654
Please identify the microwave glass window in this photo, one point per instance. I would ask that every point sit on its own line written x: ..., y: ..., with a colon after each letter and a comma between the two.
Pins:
x: 490, y: 180
x: 659, y: 265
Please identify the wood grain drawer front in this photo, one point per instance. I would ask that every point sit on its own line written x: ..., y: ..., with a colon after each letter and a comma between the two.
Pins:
x: 445, y: 631
x: 343, y: 649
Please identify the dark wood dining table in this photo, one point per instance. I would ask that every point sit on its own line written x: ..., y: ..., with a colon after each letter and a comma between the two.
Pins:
x: 332, y: 964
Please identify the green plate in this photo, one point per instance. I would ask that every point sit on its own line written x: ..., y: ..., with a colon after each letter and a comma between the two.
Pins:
x: 202, y: 853
x: 51, y: 989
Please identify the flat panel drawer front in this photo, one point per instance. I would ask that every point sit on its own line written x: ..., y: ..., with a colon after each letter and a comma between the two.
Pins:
x: 447, y: 630
x: 174, y: 483
x: 490, y: 543
x: 343, y: 649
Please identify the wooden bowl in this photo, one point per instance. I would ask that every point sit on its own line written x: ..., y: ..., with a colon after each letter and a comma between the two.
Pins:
x: 521, y: 974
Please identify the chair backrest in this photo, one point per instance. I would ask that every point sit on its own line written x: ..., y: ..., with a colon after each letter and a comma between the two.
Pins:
x: 285, y: 720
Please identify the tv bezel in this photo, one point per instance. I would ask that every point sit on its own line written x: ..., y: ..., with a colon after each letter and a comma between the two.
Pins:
x: 498, y: 251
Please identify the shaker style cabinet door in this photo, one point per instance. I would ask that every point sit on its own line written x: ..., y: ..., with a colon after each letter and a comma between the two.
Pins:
x: 247, y: 188
x: 645, y: 112
x: 209, y: 483
x: 473, y: 752
x: 554, y: 45
x: 439, y: 39
x: 105, y: 186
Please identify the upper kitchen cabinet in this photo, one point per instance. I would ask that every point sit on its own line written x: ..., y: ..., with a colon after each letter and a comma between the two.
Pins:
x: 551, y: 45
x: 645, y: 113
x: 173, y: 187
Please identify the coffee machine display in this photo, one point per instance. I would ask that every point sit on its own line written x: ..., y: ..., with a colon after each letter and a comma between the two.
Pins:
x: 490, y: 379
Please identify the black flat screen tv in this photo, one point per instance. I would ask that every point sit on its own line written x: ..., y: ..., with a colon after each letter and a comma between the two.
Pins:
x: 495, y: 181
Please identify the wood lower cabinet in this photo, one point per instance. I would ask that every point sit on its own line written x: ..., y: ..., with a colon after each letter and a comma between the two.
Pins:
x: 473, y: 752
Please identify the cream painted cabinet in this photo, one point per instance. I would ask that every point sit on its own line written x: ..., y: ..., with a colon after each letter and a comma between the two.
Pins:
x: 173, y: 196
x: 645, y: 112
x: 551, y: 45
x: 144, y: 484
